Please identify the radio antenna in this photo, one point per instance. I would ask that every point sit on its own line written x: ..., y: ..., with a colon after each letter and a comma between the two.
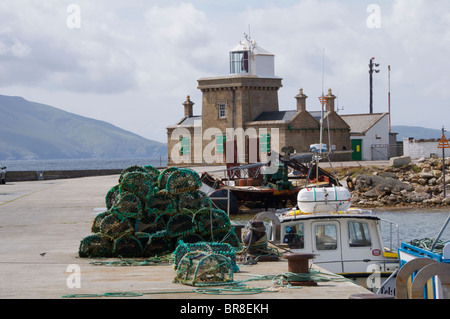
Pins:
x: 323, y: 69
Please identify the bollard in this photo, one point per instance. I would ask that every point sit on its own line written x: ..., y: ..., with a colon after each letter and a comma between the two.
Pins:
x: 299, y: 264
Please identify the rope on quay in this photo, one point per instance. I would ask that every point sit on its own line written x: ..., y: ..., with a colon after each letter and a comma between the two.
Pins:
x: 234, y: 290
x: 235, y: 287
x: 132, y: 262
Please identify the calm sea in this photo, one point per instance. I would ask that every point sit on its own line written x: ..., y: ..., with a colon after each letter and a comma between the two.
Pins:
x: 80, y: 164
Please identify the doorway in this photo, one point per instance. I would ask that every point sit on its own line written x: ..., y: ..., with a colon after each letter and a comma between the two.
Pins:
x: 357, y: 150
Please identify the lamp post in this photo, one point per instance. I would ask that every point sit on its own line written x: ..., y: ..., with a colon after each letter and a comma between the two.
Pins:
x: 389, y: 96
x: 371, y: 70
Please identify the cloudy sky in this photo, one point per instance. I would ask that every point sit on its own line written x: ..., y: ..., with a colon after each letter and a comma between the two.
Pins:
x: 132, y: 62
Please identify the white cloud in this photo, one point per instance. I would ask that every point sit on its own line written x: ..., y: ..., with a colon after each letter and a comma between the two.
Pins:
x: 133, y: 63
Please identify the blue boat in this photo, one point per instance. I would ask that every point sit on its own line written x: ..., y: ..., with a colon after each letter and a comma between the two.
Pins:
x: 424, y: 272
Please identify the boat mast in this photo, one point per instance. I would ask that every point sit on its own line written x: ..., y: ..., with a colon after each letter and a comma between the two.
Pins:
x: 322, y: 100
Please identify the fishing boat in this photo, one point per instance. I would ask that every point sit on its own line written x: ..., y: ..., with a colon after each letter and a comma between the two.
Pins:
x: 424, y: 264
x: 344, y: 240
x: 424, y: 270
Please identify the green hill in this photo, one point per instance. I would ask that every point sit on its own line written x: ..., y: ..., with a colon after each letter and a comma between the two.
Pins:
x: 30, y: 130
x: 416, y: 132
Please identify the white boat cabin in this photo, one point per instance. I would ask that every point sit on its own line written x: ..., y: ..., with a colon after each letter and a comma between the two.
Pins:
x: 345, y: 243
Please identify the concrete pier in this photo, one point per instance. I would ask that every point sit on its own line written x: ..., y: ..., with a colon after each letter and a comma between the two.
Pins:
x: 42, y: 223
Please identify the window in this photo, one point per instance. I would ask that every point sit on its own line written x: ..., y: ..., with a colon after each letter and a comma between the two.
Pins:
x: 326, y: 237
x: 358, y: 234
x: 222, y: 110
x: 220, y: 144
x: 239, y: 62
x: 264, y: 143
x: 294, y: 236
x: 184, y: 142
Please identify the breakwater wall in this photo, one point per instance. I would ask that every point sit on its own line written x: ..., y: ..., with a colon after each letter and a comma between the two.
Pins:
x: 18, y: 176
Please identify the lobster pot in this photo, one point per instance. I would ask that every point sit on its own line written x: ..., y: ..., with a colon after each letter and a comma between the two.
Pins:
x: 111, y: 196
x: 182, y: 180
x: 181, y: 225
x: 193, y: 201
x: 127, y: 247
x: 95, y: 245
x: 200, y: 268
x: 114, y: 227
x: 158, y: 244
x: 211, y: 247
x: 127, y: 205
x: 323, y: 200
x: 138, y: 183
x: 98, y: 220
x: 213, y: 221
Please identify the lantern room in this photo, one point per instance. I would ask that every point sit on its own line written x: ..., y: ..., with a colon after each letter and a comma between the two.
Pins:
x: 249, y: 58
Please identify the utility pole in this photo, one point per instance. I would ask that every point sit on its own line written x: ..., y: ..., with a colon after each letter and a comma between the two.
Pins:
x: 442, y: 144
x: 371, y: 70
x: 389, y: 96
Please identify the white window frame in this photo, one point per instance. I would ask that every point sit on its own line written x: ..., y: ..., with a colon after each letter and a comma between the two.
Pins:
x: 222, y: 110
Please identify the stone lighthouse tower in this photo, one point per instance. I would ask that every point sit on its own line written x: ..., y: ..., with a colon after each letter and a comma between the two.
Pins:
x: 232, y: 100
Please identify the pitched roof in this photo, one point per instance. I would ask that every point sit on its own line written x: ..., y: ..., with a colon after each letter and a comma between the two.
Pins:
x: 190, y: 120
x: 195, y: 120
x: 284, y: 116
x: 248, y: 45
x: 361, y: 123
x: 317, y: 115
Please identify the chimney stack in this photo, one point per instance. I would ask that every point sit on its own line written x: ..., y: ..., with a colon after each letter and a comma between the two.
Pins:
x: 330, y: 101
x: 301, y: 101
x: 188, y: 107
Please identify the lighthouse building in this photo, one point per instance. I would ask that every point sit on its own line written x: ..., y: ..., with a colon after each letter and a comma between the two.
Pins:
x: 240, y: 119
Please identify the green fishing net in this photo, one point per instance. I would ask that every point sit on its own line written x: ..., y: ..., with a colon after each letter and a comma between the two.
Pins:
x: 132, y: 169
x: 164, y: 175
x: 138, y: 183
x: 112, y: 226
x: 98, y: 220
x: 217, y: 248
x: 182, y: 180
x: 127, y: 205
x: 127, y: 247
x: 149, y: 211
x: 111, y: 196
x: 95, y: 245
x: 213, y: 221
x: 193, y: 201
x: 197, y: 268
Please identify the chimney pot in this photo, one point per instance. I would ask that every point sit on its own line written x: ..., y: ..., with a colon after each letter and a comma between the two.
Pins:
x: 188, y: 107
x: 301, y: 101
x: 330, y: 101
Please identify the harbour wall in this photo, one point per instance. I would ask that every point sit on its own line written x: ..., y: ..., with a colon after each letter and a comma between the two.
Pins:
x: 19, y: 176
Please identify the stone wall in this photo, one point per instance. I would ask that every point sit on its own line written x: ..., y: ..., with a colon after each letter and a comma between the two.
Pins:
x: 422, y: 148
